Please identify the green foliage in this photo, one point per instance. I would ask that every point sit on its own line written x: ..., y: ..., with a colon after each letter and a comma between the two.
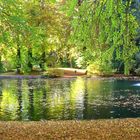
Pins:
x: 137, y: 71
x: 31, y: 31
x: 106, y: 27
x: 79, y: 33
x: 100, y: 68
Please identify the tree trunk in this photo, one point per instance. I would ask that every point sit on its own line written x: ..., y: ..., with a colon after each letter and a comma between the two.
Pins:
x: 43, y: 61
x: 126, y: 68
x: 18, y: 60
x: 43, y: 56
x: 1, y: 66
x: 30, y: 59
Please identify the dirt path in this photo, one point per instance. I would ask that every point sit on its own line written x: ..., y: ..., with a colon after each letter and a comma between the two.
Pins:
x: 72, y: 72
x: 118, y: 129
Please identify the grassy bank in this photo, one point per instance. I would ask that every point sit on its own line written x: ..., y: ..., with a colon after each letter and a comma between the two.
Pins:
x: 117, y: 129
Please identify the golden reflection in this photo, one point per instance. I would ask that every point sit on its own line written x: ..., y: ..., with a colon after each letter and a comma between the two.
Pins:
x: 9, y: 104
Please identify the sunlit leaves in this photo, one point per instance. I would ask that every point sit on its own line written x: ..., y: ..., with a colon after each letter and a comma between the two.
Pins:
x: 101, y: 26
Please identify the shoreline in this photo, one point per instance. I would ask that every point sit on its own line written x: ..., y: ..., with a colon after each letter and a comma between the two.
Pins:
x: 123, y: 77
x: 113, y: 129
x: 20, y: 76
x: 66, y: 73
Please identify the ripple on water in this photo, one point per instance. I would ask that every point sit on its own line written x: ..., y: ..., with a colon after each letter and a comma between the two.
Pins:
x: 62, y: 99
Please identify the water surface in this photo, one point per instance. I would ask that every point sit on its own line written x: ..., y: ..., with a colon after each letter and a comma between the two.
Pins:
x: 68, y: 99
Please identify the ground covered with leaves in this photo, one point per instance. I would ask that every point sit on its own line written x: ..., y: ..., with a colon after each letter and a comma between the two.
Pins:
x: 114, y: 129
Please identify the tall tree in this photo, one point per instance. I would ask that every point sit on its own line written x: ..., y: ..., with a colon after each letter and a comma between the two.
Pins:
x: 102, y: 28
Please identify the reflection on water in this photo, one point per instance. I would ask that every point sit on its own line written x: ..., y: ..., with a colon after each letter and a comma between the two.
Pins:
x: 61, y: 99
x: 137, y: 84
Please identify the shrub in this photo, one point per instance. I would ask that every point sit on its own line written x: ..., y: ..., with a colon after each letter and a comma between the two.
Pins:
x: 100, y: 68
x: 54, y: 73
x: 137, y: 71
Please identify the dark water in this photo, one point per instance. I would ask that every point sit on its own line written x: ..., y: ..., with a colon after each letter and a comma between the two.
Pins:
x: 68, y: 99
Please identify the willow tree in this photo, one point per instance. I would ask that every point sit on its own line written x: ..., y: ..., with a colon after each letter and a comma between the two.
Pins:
x: 102, y: 28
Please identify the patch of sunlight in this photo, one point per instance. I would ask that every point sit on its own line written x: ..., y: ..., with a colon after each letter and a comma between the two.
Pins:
x: 138, y: 84
x: 78, y: 88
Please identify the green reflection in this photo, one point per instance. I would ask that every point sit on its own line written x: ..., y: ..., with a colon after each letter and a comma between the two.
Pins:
x: 100, y: 92
x: 79, y: 98
x: 9, y: 105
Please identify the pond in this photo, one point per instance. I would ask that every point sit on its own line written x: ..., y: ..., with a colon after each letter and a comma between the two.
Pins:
x: 68, y: 99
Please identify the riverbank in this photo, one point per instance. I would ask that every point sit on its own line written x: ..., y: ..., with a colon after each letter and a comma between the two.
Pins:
x: 50, y: 73
x: 31, y: 76
x: 65, y: 73
x: 114, y: 129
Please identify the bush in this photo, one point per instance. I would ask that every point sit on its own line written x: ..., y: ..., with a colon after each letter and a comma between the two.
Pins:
x: 1, y: 67
x: 54, y: 73
x: 137, y: 71
x: 100, y: 68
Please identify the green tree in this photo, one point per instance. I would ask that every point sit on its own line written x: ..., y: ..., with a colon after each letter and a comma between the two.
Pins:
x: 102, y: 28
